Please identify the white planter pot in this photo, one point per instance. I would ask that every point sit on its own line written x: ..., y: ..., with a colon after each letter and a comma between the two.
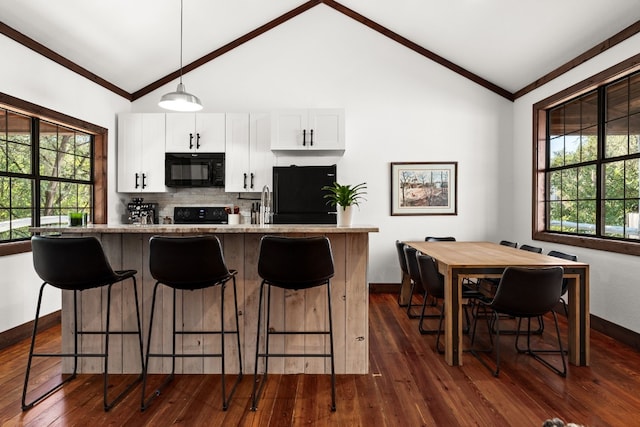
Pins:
x: 345, y: 214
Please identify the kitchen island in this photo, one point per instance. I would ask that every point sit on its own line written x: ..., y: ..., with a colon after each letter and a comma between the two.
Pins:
x: 127, y: 247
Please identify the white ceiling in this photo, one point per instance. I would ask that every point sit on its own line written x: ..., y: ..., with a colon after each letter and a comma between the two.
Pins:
x: 133, y: 43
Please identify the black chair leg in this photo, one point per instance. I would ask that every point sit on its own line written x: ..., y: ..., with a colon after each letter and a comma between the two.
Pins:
x: 108, y: 405
x: 441, y: 351
x: 226, y: 399
x: 258, y: 385
x: 333, y: 367
x: 423, y: 316
x: 535, y: 353
x: 44, y: 395
x: 145, y: 402
x: 493, y: 324
x: 255, y: 394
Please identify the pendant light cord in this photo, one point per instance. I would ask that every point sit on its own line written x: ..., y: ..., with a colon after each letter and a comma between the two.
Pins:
x: 181, y: 24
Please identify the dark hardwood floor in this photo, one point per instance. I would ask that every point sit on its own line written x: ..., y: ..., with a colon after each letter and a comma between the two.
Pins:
x: 409, y: 384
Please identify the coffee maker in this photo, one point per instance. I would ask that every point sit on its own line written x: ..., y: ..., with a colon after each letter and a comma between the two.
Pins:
x: 142, y: 213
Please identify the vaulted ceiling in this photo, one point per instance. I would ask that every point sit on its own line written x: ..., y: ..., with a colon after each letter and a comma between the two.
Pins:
x: 133, y: 46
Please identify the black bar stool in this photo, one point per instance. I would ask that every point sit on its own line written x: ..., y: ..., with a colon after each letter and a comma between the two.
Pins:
x: 187, y: 264
x: 293, y: 263
x: 77, y: 264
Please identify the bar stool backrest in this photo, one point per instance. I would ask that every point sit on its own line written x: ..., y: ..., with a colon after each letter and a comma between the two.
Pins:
x: 187, y: 262
x: 295, y: 262
x: 71, y: 262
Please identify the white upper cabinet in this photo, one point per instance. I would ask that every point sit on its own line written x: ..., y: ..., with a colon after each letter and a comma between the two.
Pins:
x: 248, y: 159
x: 141, y: 141
x: 308, y: 130
x: 195, y: 132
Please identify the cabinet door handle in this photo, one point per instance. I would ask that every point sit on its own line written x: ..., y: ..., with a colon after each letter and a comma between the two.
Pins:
x: 144, y: 179
x: 311, y: 138
x: 245, y: 181
x: 190, y: 141
x: 137, y: 176
x: 197, y: 140
x: 304, y: 137
x: 251, y: 179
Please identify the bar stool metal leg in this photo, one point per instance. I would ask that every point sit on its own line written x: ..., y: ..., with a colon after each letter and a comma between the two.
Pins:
x: 333, y: 366
x: 255, y: 394
x: 73, y: 375
x: 76, y: 354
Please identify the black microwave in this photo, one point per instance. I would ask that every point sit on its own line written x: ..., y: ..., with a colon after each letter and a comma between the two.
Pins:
x: 194, y: 169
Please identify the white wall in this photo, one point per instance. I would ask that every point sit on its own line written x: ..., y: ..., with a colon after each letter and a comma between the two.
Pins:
x: 399, y: 107
x: 614, y: 284
x: 33, y: 78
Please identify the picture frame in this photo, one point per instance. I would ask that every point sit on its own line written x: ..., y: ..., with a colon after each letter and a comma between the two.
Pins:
x: 424, y: 188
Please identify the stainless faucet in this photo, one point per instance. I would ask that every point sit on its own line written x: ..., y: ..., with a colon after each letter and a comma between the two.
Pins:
x: 265, y: 206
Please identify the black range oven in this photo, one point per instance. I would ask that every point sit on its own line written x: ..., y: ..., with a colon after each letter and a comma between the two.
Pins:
x: 194, y: 169
x: 200, y: 215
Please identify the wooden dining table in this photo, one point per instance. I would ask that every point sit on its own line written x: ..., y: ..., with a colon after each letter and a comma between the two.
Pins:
x: 458, y: 261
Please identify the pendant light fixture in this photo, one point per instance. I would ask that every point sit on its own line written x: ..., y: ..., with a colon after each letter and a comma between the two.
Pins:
x: 180, y: 100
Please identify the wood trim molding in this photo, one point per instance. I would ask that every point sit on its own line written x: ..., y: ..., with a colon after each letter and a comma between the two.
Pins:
x: 419, y: 49
x: 539, y: 158
x: 24, y: 331
x: 13, y: 248
x: 623, y: 35
x: 610, y: 329
x: 60, y: 60
x: 100, y: 181
x: 226, y: 48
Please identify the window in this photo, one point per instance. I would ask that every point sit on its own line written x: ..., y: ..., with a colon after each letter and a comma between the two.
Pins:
x: 587, y: 153
x: 50, y: 166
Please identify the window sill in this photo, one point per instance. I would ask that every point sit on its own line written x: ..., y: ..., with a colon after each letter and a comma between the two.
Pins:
x: 13, y: 248
x: 622, y: 247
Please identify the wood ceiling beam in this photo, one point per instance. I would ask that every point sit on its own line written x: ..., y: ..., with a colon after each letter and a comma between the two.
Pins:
x: 623, y: 35
x: 419, y: 49
x: 226, y: 48
x: 61, y: 60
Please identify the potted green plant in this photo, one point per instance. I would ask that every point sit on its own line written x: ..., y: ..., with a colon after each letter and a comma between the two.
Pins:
x: 345, y: 196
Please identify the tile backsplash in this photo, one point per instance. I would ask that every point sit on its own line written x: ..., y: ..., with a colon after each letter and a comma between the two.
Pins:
x: 187, y: 197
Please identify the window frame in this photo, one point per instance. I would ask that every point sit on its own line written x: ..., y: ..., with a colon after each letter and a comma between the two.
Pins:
x: 539, y: 157
x: 100, y: 136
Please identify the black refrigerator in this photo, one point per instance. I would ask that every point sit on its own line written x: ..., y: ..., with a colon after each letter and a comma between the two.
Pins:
x: 298, y: 197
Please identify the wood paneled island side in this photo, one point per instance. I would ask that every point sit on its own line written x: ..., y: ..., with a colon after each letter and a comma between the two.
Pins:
x: 127, y: 247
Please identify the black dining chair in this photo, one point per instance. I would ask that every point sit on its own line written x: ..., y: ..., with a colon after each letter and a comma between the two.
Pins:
x: 403, y: 270
x: 531, y: 248
x: 565, y: 282
x: 416, y: 287
x: 467, y: 281
x: 523, y: 293
x: 294, y: 264
x: 528, y: 248
x: 489, y: 284
x: 77, y: 264
x: 508, y: 243
x: 433, y: 283
x: 188, y: 264
x: 439, y: 239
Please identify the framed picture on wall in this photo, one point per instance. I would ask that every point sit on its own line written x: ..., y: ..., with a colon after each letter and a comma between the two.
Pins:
x: 424, y: 188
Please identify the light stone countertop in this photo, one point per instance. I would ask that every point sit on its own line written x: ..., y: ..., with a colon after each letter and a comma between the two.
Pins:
x: 206, y: 228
